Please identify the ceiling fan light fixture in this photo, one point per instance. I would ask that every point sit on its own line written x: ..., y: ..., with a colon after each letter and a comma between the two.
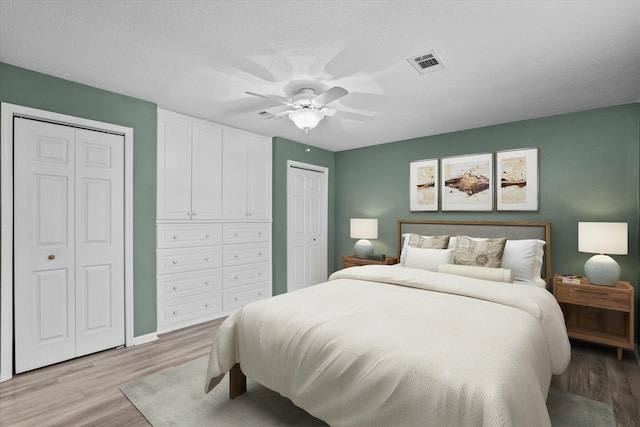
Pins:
x: 306, y: 118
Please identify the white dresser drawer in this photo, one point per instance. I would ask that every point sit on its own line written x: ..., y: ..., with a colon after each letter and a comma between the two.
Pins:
x: 190, y: 259
x: 244, y: 275
x: 242, y: 295
x: 185, y: 284
x: 245, y: 254
x: 182, y: 309
x: 246, y: 233
x: 188, y: 235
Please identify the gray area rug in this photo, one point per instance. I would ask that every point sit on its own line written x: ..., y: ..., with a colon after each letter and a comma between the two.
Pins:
x: 175, y: 397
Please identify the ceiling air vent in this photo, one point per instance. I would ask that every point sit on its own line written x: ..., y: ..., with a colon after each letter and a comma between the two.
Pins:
x: 427, y: 62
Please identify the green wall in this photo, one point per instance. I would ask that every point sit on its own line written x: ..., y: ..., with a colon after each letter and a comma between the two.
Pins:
x: 284, y: 150
x: 36, y: 90
x: 589, y: 171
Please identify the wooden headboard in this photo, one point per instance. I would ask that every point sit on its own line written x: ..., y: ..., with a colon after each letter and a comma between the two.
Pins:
x: 491, y: 229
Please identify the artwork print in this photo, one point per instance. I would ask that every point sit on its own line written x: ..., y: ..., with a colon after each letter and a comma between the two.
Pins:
x: 423, y: 183
x: 467, y: 183
x: 517, y: 173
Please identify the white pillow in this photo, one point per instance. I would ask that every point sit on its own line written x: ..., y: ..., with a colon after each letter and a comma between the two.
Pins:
x: 427, y: 259
x: 523, y: 257
x: 486, y: 273
x: 405, y: 245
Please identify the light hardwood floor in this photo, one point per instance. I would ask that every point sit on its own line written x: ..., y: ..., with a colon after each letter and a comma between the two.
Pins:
x: 86, y: 391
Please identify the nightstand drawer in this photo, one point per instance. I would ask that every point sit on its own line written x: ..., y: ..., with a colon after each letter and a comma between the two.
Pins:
x: 600, y: 297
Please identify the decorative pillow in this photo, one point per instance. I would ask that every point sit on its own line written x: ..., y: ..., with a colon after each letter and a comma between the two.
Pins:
x: 486, y: 273
x: 424, y: 242
x: 483, y: 253
x: 427, y: 259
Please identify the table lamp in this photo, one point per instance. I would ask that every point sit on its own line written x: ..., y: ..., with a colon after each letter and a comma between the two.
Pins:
x: 363, y: 229
x: 602, y: 238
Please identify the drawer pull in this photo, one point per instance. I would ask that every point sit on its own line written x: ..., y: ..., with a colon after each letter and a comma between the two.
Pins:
x: 175, y: 288
x: 174, y: 312
x: 259, y: 293
x: 175, y: 236
x: 235, y: 298
x: 175, y: 261
x: 206, y: 306
x: 235, y: 234
x: 235, y: 256
x: 259, y: 273
x: 206, y: 282
x: 206, y: 236
x: 235, y: 277
x: 259, y: 233
x: 206, y: 258
x: 259, y: 253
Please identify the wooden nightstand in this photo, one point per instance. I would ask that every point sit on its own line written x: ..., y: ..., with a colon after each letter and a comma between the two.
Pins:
x: 600, y: 314
x: 352, y: 261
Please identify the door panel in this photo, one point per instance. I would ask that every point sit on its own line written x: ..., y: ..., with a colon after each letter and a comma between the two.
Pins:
x: 99, y: 241
x: 44, y: 285
x: 206, y: 191
x: 174, y: 154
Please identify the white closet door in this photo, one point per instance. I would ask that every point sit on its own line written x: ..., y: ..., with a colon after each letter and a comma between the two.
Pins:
x: 99, y: 241
x: 306, y: 220
x: 174, y: 168
x: 69, y: 242
x: 44, y: 278
x: 234, y: 164
x: 259, y: 178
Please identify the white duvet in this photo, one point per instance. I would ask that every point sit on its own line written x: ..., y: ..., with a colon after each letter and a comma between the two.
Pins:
x: 382, y: 345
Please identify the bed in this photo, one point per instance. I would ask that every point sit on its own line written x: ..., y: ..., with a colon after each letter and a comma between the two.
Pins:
x: 403, y: 345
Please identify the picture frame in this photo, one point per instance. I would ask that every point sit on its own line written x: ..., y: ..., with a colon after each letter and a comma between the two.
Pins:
x: 467, y: 183
x: 517, y: 176
x: 423, y: 185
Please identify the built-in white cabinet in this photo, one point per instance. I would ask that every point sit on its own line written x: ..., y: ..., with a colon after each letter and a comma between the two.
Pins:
x: 246, y: 193
x: 189, y: 168
x: 214, y: 220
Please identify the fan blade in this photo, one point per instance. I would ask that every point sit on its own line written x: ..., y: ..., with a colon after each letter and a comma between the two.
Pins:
x: 330, y: 95
x: 274, y: 98
x: 353, y: 116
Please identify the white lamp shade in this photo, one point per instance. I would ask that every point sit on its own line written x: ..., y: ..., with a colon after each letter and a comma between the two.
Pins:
x: 603, y: 237
x: 364, y: 228
x: 306, y: 118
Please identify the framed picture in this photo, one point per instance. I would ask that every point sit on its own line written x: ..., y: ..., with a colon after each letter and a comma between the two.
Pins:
x: 517, y: 174
x: 467, y: 183
x: 423, y: 185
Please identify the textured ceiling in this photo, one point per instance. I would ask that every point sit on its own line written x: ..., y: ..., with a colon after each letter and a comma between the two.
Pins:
x: 505, y: 60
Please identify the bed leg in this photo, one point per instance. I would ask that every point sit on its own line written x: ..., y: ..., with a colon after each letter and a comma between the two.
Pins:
x: 237, y: 382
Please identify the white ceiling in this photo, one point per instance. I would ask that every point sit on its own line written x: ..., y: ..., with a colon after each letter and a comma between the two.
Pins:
x: 505, y: 60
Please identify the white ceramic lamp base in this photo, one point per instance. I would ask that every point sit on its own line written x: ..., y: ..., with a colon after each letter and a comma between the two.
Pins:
x: 602, y: 270
x: 363, y: 248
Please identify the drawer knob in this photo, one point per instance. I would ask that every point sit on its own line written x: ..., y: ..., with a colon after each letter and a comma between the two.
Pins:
x: 259, y: 233
x: 174, y: 312
x: 175, y: 236
x: 236, y: 234
x: 206, y: 235
x: 175, y: 288
x: 235, y: 298
x: 206, y: 282
x: 259, y: 293
x: 259, y: 253
x: 51, y: 257
x: 206, y: 306
x: 194, y: 214
x: 235, y: 277
x: 235, y: 256
x: 175, y: 261
x: 206, y: 258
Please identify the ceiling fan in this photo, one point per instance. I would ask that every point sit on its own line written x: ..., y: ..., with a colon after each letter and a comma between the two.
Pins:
x: 307, y: 107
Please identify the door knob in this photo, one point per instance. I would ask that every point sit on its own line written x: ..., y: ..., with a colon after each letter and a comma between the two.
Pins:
x: 51, y: 257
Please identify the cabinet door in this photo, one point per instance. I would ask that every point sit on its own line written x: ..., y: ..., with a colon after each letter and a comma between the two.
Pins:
x: 206, y: 176
x: 259, y: 178
x: 174, y: 167
x: 234, y: 193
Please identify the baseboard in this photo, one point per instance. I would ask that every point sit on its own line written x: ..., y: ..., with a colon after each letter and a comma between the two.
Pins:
x: 636, y: 351
x: 143, y: 339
